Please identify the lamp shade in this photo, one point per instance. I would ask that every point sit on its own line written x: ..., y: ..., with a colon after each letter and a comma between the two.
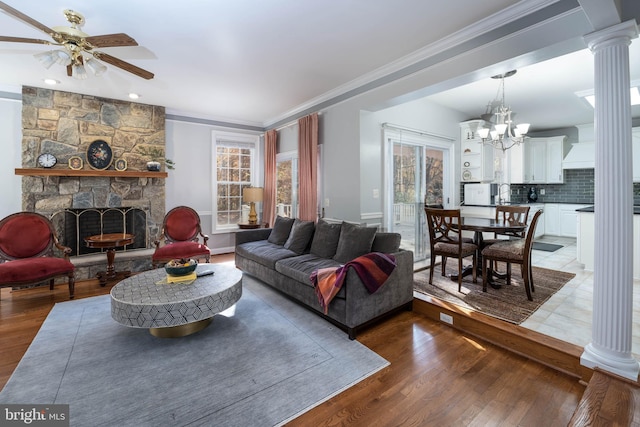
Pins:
x: 252, y: 194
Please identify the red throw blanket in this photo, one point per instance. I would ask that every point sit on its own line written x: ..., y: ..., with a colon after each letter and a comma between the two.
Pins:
x: 373, y: 269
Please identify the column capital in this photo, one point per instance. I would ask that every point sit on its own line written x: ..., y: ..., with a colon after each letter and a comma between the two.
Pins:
x: 613, y: 35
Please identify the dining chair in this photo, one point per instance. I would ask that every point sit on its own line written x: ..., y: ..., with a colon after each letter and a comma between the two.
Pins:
x: 509, y: 213
x: 181, y: 233
x: 512, y: 252
x: 445, y: 240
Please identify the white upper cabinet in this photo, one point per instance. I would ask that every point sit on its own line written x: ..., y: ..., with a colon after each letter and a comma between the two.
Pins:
x: 477, y: 164
x: 555, y: 154
x: 537, y: 161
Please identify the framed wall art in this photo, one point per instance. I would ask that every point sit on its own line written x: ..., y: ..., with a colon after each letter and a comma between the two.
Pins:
x: 99, y: 155
x: 120, y: 165
x: 75, y: 163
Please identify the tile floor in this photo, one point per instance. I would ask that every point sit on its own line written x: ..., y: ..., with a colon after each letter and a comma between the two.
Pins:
x: 567, y: 314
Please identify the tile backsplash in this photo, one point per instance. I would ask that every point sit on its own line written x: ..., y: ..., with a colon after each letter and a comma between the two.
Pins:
x: 577, y: 188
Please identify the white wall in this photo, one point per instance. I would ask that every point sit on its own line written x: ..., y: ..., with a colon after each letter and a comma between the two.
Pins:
x: 11, y: 158
x: 189, y: 145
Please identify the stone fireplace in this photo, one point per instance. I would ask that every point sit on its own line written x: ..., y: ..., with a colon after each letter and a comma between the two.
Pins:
x: 64, y: 124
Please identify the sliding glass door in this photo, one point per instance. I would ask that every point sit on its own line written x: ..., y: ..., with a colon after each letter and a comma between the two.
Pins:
x: 418, y: 169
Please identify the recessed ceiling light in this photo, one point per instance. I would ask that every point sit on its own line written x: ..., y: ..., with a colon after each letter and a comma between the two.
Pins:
x: 133, y: 96
x: 51, y: 81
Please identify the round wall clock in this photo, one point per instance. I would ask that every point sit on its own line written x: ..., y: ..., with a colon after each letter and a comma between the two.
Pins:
x: 99, y: 155
x: 47, y: 160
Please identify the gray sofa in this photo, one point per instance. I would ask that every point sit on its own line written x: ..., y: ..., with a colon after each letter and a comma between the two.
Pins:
x: 285, y: 256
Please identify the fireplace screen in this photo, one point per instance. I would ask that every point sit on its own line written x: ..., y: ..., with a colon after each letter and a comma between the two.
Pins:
x: 81, y: 223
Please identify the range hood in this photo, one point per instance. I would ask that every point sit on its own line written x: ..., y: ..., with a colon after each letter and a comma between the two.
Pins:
x: 582, y: 155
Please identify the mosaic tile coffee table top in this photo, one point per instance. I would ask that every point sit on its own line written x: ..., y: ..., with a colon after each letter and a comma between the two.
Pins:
x: 141, y: 302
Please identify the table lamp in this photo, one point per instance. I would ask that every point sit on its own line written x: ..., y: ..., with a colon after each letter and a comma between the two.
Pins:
x: 252, y: 195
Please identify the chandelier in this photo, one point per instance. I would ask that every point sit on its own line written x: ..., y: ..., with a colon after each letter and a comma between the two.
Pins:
x: 504, y: 134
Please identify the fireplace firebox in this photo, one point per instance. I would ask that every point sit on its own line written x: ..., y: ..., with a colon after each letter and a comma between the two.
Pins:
x: 81, y: 223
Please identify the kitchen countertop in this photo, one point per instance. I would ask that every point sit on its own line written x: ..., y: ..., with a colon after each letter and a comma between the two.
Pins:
x: 590, y: 209
x: 508, y: 204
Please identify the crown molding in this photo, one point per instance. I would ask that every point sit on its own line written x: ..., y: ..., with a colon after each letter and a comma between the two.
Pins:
x: 504, y: 17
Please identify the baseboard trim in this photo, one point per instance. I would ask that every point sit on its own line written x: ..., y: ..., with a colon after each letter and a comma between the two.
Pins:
x: 556, y: 354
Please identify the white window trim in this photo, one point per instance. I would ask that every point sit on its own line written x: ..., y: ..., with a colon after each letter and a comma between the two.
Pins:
x: 241, y: 139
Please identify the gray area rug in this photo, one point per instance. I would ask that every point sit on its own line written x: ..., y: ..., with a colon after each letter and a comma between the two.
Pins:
x: 261, y: 363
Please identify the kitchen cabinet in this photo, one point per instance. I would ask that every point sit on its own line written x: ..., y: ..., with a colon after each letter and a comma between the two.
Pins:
x: 561, y: 219
x: 555, y: 155
x: 477, y: 163
x: 515, y: 165
x: 533, y: 208
x: 569, y: 220
x: 552, y: 212
x: 586, y: 242
x: 537, y: 161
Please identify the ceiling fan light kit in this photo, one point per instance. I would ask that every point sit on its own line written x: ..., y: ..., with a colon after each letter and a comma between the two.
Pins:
x: 505, y: 133
x: 76, y: 48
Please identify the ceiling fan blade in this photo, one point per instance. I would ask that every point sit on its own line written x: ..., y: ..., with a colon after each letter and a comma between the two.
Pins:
x: 24, y: 18
x: 22, y: 40
x: 111, y: 40
x: 124, y: 65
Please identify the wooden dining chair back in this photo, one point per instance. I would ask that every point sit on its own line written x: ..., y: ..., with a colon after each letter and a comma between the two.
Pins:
x: 28, y: 244
x: 180, y: 237
x: 446, y: 241
x: 512, y: 252
x: 513, y: 214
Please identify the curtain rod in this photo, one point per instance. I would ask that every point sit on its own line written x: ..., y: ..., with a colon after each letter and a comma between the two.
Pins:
x: 418, y: 131
x: 294, y: 122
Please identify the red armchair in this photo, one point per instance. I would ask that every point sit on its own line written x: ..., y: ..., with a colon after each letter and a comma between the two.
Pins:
x: 181, y: 233
x: 26, y: 252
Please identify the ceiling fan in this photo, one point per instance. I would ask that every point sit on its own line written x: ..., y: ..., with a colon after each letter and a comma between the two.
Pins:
x: 77, y: 46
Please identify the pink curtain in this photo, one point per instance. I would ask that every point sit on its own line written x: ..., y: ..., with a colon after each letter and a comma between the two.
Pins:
x: 307, y: 167
x: 269, y: 197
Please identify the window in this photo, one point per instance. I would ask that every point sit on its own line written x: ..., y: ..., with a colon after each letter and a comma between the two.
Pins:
x: 235, y: 158
x: 287, y: 184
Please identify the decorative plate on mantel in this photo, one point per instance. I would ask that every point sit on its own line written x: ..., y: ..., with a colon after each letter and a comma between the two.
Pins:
x: 99, y: 155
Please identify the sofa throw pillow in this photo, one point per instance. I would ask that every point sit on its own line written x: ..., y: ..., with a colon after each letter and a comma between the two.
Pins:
x: 300, y: 236
x: 325, y: 239
x: 355, y: 240
x: 280, y: 231
x: 387, y: 243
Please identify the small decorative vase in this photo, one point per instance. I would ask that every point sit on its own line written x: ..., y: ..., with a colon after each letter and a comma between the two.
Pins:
x: 153, y: 166
x: 532, y: 195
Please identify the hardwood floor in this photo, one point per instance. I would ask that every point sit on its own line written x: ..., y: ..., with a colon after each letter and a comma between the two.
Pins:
x: 437, y: 376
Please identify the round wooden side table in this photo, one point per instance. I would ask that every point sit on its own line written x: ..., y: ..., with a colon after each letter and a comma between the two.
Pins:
x: 110, y: 242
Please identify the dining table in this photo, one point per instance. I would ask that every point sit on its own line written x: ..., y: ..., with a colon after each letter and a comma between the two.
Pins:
x: 481, y: 225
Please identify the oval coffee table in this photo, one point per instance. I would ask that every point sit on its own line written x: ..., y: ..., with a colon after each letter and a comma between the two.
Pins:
x: 176, y: 309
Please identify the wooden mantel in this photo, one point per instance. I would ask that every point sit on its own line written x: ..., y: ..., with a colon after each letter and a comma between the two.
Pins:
x: 87, y: 172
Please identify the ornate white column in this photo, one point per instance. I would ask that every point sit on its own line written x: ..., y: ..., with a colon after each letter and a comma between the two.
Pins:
x: 610, y: 347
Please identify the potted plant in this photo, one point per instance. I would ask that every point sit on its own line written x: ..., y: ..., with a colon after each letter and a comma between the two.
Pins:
x: 156, y: 156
